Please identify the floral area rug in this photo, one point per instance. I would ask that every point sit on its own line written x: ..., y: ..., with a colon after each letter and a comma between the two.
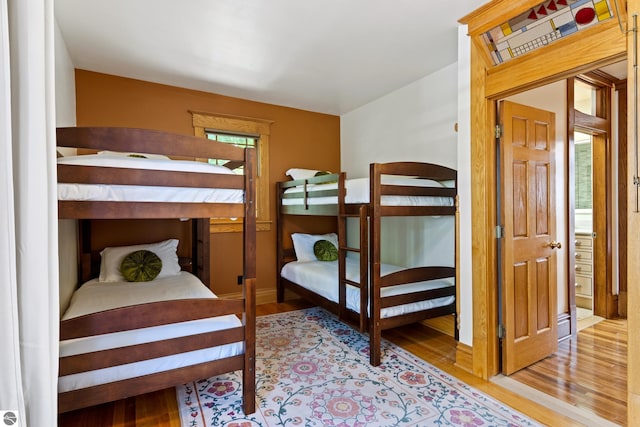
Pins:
x: 313, y: 370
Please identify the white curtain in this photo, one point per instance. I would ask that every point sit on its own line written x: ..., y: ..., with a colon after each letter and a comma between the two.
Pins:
x: 29, y: 315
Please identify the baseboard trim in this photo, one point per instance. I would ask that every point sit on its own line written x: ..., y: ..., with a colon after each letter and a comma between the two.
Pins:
x: 263, y: 296
x: 622, y: 304
x: 445, y: 324
x: 464, y: 357
x: 564, y: 326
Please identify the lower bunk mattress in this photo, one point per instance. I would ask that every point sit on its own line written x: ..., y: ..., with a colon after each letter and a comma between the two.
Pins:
x: 321, y: 277
x: 95, y: 296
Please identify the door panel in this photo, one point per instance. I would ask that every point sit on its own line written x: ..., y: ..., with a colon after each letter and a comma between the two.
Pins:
x: 542, y: 276
x: 529, y: 266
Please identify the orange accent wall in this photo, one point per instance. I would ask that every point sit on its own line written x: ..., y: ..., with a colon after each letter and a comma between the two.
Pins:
x: 298, y: 139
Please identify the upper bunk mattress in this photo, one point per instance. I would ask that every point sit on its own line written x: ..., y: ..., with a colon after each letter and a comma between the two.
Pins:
x: 135, y: 193
x: 357, y: 191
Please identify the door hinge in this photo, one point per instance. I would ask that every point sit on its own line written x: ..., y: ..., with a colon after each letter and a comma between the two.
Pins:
x: 501, y: 331
x: 498, y: 131
x: 499, y: 232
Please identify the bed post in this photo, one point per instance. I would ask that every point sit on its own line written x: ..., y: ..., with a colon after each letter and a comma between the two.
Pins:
x: 456, y: 318
x: 375, y: 329
x: 364, y: 266
x: 342, y: 250
x: 279, y: 244
x: 249, y: 289
x: 195, y: 260
x: 201, y: 250
x: 85, y: 258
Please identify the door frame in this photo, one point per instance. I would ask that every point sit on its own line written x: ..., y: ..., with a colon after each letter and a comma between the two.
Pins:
x: 594, y: 47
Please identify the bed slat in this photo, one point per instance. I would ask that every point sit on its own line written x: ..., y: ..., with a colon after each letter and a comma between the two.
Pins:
x: 146, y: 315
x: 416, y: 274
x: 146, y: 141
x: 416, y: 210
x: 410, y: 190
x: 419, y: 170
x: 406, y: 319
x: 392, y: 301
x: 135, y: 353
x: 146, y: 210
x: 158, y: 178
x: 90, y: 396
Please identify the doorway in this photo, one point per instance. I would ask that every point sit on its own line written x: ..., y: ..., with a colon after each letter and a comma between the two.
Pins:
x: 599, y: 45
x: 590, y: 158
x: 587, y: 163
x: 584, y: 235
x: 595, y: 106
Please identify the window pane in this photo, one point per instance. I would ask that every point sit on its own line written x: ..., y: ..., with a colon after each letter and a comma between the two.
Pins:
x: 583, y: 174
x: 242, y: 141
x: 584, y: 98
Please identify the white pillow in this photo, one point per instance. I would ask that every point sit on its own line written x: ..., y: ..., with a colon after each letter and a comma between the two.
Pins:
x: 112, y: 258
x: 145, y: 155
x: 410, y: 181
x: 296, y: 173
x: 303, y: 244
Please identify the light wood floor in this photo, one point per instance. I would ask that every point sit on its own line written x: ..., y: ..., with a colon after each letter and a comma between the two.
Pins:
x: 589, y: 372
x: 160, y: 408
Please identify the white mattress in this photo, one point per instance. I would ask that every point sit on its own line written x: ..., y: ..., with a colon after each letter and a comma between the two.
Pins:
x: 321, y: 277
x: 358, y: 192
x: 96, y: 296
x: 133, y: 193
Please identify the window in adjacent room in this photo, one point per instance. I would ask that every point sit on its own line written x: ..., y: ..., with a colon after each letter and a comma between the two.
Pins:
x: 243, y: 132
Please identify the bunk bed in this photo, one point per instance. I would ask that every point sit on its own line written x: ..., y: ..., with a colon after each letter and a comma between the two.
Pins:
x: 358, y: 286
x: 137, y: 337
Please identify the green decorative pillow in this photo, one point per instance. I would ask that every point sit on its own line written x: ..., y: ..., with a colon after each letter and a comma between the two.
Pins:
x: 141, y: 266
x: 325, y: 250
x: 323, y: 173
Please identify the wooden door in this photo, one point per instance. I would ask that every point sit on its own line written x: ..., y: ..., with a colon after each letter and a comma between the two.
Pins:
x: 528, y: 264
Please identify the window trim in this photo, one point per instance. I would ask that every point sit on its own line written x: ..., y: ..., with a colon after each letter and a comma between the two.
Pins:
x: 242, y: 125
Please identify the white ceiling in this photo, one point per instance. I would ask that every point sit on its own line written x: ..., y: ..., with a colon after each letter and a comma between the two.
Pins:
x: 328, y: 56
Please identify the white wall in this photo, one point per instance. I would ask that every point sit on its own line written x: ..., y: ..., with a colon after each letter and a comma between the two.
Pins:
x: 414, y: 123
x: 65, y: 83
x: 65, y: 116
x: 465, y: 316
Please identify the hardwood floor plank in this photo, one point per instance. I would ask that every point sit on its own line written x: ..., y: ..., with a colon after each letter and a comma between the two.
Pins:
x: 589, y: 372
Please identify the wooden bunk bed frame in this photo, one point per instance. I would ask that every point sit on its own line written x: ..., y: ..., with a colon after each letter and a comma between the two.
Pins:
x: 369, y: 219
x: 163, y: 312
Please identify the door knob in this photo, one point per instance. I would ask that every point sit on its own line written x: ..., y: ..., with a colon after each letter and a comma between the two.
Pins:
x: 554, y: 244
